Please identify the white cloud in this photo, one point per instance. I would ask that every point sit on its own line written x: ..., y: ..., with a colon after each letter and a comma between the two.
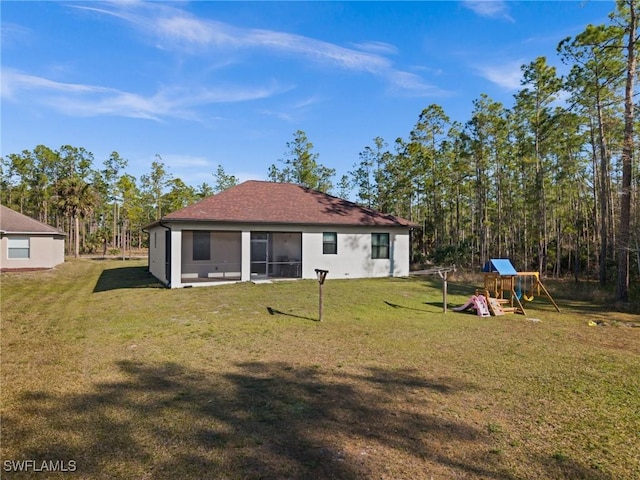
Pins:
x: 195, y: 170
x: 13, y: 80
x: 185, y: 31
x: 13, y: 34
x: 307, y: 102
x: 293, y: 113
x: 243, y: 176
x: 172, y: 28
x: 280, y: 115
x: 318, y: 50
x: 489, y: 8
x: 428, y: 70
x: 410, y: 82
x: 382, y: 48
x: 190, y: 30
x: 186, y: 161
x: 88, y: 100
x: 508, y: 75
x: 191, y: 169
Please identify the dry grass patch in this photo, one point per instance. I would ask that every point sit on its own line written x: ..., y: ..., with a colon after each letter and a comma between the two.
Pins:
x: 102, y: 366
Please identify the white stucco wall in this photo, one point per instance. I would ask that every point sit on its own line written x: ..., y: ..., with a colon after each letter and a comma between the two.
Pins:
x: 353, y: 259
x: 156, y: 253
x: 44, y: 252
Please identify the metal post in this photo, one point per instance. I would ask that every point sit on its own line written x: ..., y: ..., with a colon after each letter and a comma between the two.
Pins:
x: 443, y: 276
x: 444, y: 292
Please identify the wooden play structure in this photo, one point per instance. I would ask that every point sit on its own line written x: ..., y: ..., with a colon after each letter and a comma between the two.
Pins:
x: 506, y: 289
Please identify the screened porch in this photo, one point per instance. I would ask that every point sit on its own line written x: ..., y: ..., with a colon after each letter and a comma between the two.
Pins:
x: 210, y: 256
x: 216, y: 256
x: 276, y: 255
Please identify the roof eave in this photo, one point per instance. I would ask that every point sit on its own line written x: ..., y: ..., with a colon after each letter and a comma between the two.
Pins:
x: 266, y: 222
x: 44, y: 234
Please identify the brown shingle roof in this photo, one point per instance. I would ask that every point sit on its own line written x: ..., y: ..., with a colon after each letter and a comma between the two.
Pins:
x: 14, y: 222
x: 268, y: 202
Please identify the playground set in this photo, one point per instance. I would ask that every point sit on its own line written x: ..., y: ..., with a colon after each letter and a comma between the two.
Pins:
x: 505, y: 290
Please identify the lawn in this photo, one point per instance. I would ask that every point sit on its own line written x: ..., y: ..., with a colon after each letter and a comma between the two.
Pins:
x: 114, y: 377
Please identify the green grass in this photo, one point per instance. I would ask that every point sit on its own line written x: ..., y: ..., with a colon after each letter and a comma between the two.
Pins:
x: 102, y: 366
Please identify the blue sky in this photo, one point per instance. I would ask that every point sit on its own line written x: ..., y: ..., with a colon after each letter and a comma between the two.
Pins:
x: 205, y: 83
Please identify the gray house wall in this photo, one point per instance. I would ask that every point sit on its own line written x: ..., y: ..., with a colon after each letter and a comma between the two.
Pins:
x: 45, y: 251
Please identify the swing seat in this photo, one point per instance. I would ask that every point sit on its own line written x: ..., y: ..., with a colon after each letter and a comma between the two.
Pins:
x: 519, y: 291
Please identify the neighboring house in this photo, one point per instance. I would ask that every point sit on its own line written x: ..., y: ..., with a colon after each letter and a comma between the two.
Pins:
x: 27, y: 243
x: 262, y: 230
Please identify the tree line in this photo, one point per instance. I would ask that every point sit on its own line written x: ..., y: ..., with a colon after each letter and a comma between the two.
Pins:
x: 103, y: 210
x: 550, y: 182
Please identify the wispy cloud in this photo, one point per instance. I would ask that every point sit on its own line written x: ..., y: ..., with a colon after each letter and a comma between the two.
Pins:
x: 173, y: 29
x: 186, y: 161
x: 293, y: 113
x: 507, y: 75
x: 90, y: 100
x: 404, y: 82
x: 13, y: 34
x: 381, y: 48
x: 14, y: 81
x: 489, y: 8
x: 170, y: 28
x: 191, y: 169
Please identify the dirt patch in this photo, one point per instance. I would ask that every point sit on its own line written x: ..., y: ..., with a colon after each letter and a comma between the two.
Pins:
x: 18, y: 270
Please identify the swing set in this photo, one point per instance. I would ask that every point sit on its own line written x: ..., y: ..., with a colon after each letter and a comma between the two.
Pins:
x: 533, y: 281
x: 510, y: 287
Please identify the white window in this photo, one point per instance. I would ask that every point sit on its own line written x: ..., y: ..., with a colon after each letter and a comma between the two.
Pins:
x: 379, y: 245
x: 329, y: 243
x: 18, y: 247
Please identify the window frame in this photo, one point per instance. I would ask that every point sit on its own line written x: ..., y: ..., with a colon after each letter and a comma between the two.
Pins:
x: 17, y: 248
x: 377, y: 247
x: 333, y: 243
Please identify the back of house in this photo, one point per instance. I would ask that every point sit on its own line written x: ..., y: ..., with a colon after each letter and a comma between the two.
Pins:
x: 264, y: 230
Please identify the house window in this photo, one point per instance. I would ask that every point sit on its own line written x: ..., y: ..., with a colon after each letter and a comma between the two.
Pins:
x: 379, y: 245
x: 201, y: 245
x: 18, y: 248
x: 329, y: 243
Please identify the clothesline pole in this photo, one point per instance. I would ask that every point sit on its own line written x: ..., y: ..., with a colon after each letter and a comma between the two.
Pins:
x: 443, y: 273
